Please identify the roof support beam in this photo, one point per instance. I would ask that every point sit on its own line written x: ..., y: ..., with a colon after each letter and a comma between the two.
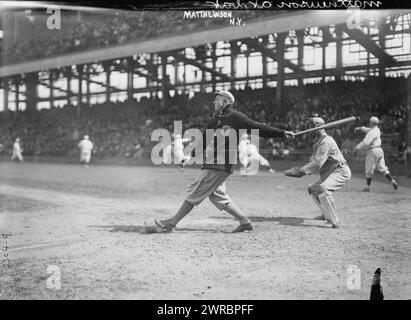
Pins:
x: 253, y: 44
x: 52, y: 87
x: 369, y: 45
x: 180, y: 57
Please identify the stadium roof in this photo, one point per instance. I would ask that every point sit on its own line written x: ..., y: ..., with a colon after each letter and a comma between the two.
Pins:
x: 282, y: 22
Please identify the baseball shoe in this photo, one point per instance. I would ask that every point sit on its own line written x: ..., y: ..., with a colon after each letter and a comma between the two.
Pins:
x: 243, y: 227
x: 395, y: 184
x: 366, y: 189
x: 164, y: 224
x: 272, y: 170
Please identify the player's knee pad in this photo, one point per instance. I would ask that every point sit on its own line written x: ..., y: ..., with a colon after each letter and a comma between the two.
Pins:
x: 316, y: 189
x: 328, y: 205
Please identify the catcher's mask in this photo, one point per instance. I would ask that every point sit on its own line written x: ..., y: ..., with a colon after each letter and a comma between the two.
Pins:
x: 315, y: 122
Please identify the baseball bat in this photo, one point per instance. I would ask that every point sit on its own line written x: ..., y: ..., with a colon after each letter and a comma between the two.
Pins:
x: 328, y: 125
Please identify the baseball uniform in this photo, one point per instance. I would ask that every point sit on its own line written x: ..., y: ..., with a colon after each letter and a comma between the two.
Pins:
x: 374, y: 158
x: 17, y: 152
x: 85, y: 146
x: 328, y: 160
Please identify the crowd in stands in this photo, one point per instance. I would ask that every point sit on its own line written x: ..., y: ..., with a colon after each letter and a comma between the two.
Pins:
x: 123, y: 129
x: 120, y: 27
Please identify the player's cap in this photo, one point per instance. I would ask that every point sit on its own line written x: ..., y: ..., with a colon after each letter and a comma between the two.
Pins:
x: 316, y: 121
x: 374, y: 120
x: 244, y: 136
x: 227, y: 94
x: 86, y: 137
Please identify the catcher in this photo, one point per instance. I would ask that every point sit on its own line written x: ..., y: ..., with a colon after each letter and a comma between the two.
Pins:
x: 328, y: 160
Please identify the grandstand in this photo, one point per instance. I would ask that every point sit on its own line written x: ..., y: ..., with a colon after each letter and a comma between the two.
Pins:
x: 106, y: 72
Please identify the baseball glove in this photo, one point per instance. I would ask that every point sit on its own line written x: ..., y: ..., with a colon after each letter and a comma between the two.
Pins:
x: 294, y: 172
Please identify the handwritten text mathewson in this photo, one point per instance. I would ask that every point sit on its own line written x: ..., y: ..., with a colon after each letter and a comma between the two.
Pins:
x: 258, y: 4
x: 207, y: 14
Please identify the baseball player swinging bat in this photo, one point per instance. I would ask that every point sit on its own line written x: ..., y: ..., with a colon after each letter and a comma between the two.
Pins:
x: 328, y: 125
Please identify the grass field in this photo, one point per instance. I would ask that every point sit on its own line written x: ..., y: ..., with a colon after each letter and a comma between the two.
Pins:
x: 88, y: 222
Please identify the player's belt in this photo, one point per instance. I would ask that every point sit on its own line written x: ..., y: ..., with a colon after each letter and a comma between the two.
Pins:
x: 374, y: 147
x: 338, y: 165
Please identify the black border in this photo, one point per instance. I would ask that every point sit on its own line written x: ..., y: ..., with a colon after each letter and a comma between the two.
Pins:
x: 250, y: 4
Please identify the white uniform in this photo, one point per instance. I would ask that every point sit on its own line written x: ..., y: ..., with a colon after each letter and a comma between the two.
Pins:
x: 167, y: 154
x: 243, y: 155
x: 254, y: 155
x: 328, y: 160
x: 17, y: 152
x: 179, y: 148
x: 374, y: 158
x: 248, y: 154
x: 85, y: 146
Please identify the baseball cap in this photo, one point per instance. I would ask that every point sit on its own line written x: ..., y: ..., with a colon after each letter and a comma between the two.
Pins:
x: 86, y: 137
x: 227, y: 94
x: 374, y: 120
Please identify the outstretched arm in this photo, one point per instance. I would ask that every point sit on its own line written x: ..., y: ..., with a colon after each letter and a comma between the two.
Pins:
x: 369, y: 138
x: 265, y: 131
x: 362, y: 129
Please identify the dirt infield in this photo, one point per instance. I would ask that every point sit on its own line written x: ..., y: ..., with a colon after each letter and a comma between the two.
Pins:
x: 88, y: 223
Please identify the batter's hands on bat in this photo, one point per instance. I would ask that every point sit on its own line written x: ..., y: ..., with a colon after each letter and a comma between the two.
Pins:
x: 289, y: 135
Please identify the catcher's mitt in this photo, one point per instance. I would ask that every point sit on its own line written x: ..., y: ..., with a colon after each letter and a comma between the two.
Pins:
x: 294, y: 172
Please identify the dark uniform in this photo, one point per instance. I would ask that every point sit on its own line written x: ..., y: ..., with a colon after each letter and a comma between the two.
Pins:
x: 218, y: 159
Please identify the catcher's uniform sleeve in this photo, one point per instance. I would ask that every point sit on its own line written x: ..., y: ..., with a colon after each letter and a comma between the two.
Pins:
x: 265, y: 131
x: 318, y: 158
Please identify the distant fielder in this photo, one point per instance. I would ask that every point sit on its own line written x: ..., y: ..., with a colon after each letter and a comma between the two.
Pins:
x: 86, y: 146
x: 248, y: 154
x: 328, y: 160
x: 178, y: 149
x: 374, y: 158
x: 175, y: 149
x: 17, y: 151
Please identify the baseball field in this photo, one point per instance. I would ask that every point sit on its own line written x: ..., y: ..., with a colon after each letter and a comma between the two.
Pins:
x: 70, y: 232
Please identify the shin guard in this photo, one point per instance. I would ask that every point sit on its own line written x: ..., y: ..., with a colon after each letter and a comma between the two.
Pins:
x: 328, y: 205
